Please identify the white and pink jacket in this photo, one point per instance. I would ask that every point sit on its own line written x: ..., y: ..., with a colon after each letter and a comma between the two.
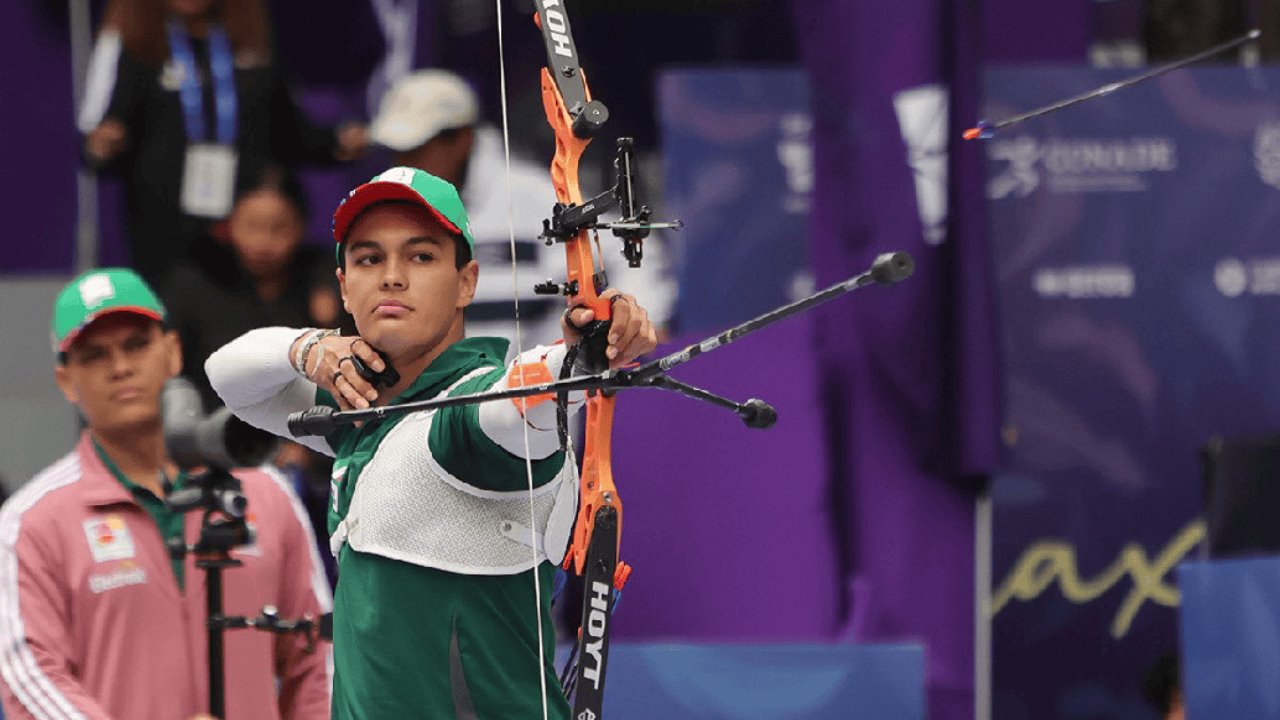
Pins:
x: 93, y: 625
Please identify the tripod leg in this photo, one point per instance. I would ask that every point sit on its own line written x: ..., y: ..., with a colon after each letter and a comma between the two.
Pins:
x: 217, y: 680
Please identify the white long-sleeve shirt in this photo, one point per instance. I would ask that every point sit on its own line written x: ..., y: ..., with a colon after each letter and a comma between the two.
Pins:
x: 448, y: 488
x: 256, y: 379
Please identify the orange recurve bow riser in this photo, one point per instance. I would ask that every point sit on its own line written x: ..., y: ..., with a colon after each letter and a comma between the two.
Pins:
x: 597, y: 474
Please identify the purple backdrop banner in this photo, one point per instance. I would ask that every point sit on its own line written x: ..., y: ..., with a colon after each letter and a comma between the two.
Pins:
x: 907, y: 370
x: 731, y: 530
x: 1139, y: 281
x: 736, y: 148
x: 1058, y: 31
x: 39, y: 141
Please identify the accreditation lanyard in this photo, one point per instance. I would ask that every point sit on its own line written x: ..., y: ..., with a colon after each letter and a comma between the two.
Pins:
x: 224, y: 86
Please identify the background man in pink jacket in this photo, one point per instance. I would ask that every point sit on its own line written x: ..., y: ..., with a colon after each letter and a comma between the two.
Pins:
x: 96, y: 620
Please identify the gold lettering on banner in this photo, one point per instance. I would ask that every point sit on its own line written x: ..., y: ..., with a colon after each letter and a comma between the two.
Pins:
x: 1048, y: 561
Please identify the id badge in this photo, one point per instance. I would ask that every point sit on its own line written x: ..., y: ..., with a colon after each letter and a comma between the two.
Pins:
x: 208, y: 180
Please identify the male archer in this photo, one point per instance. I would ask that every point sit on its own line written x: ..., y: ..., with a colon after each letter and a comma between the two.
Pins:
x: 440, y: 570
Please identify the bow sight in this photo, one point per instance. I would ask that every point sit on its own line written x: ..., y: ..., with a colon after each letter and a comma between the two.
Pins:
x: 567, y: 220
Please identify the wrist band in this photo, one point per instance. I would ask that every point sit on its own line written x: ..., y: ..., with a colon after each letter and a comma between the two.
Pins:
x: 296, y: 360
x: 304, y: 352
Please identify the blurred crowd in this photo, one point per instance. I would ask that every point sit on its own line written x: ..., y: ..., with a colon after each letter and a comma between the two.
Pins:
x: 189, y: 108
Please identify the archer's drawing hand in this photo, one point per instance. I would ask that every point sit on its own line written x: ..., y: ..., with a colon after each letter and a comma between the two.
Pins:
x: 331, y: 368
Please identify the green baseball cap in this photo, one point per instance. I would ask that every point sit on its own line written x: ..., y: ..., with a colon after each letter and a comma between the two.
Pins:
x: 97, y: 293
x: 438, y: 196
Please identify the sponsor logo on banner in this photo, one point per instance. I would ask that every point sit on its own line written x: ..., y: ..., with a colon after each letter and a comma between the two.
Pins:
x: 1231, y: 277
x: 121, y: 577
x: 109, y: 538
x: 1021, y: 175
x: 1148, y: 579
x: 922, y: 116
x: 1078, y: 282
x: 1077, y: 165
x: 1259, y: 276
x: 1266, y: 153
x: 795, y: 154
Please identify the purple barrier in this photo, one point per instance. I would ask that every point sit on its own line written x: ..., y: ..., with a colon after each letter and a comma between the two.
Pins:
x: 729, y: 529
x: 39, y: 141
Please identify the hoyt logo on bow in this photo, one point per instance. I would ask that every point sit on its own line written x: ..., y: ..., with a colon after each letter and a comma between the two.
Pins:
x: 556, y: 27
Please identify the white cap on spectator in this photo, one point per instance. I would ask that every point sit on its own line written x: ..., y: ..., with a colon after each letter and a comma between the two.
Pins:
x: 421, y: 105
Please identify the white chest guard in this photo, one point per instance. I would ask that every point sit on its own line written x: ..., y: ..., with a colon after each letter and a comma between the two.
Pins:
x: 409, y: 508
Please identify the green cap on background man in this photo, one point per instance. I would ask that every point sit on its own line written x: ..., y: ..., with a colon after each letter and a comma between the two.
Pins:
x: 97, y: 293
x: 406, y: 184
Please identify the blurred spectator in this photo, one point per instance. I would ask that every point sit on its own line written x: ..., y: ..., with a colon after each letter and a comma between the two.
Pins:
x: 102, y: 621
x: 182, y: 96
x: 429, y: 119
x: 272, y: 277
x: 1162, y: 687
x: 1174, y: 29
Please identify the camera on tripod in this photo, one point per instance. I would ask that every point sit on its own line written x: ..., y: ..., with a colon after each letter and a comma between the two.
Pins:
x: 212, y: 445
x: 216, y: 442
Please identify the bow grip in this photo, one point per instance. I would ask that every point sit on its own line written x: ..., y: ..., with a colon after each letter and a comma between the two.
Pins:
x: 593, y: 337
